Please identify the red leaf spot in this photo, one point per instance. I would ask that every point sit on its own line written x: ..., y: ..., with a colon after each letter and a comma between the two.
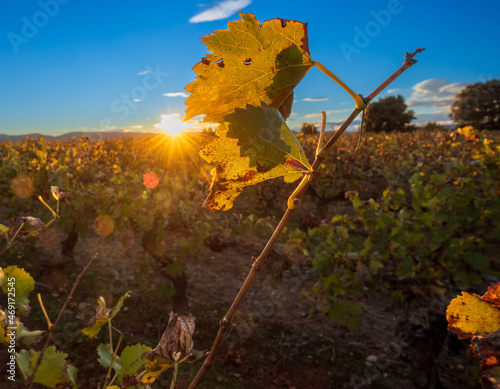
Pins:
x: 248, y: 176
x: 150, y: 180
x: 294, y: 164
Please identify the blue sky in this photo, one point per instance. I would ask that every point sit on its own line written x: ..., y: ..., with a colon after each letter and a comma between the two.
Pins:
x: 70, y: 65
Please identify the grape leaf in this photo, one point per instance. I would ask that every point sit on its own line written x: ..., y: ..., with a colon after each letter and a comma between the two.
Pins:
x: 105, y: 356
x: 254, y: 145
x: 133, y: 358
x: 22, y: 333
x: 493, y: 295
x: 468, y: 316
x: 23, y: 284
x: 103, y: 315
x: 54, y: 370
x: 487, y: 348
x: 175, y: 345
x: 249, y: 63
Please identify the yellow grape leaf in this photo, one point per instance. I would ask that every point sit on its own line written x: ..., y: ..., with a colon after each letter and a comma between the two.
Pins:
x: 469, y: 316
x: 254, y: 145
x: 249, y: 63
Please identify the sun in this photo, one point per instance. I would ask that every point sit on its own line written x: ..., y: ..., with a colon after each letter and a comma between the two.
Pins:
x: 172, y: 124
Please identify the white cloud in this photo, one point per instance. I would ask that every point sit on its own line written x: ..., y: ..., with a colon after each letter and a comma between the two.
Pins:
x: 435, y: 92
x: 136, y: 100
x: 338, y: 111
x: 221, y: 10
x: 136, y: 127
x: 109, y: 128
x: 82, y: 128
x: 438, y: 117
x: 176, y: 94
x: 392, y: 91
x: 315, y: 99
x: 144, y: 72
x: 331, y: 112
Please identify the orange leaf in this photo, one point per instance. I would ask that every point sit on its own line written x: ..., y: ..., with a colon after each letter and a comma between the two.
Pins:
x: 493, y: 295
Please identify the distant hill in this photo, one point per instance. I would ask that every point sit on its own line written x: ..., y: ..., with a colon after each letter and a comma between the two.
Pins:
x: 78, y: 135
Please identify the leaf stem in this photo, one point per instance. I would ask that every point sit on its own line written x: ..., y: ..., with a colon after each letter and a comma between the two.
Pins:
x: 292, y: 200
x: 54, y: 326
x: 174, y: 376
x: 49, y: 324
x: 225, y: 323
x: 113, y: 356
x: 359, y: 101
x: 54, y: 214
x: 10, y: 244
x: 322, y: 132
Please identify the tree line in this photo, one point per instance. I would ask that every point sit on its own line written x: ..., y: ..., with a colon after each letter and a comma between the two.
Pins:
x: 476, y: 105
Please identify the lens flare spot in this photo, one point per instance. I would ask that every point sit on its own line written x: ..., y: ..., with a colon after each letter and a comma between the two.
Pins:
x: 22, y: 186
x: 104, y: 225
x: 150, y: 180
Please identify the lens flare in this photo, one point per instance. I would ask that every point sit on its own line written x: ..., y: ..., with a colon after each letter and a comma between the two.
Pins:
x: 104, y: 225
x: 22, y: 186
x: 150, y: 180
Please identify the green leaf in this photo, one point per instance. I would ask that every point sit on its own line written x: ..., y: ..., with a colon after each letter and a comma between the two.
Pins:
x: 119, y: 305
x: 53, y: 370
x: 477, y: 261
x: 72, y: 371
x: 407, y: 267
x: 165, y: 289
x: 23, y: 284
x: 133, y: 358
x: 345, y: 312
x: 23, y: 335
x: 254, y: 145
x: 3, y: 230
x: 105, y: 354
x: 175, y: 269
x: 249, y: 63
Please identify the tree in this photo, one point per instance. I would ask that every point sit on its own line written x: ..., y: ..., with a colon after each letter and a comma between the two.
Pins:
x: 478, y: 105
x: 308, y: 129
x: 388, y: 114
x: 433, y: 126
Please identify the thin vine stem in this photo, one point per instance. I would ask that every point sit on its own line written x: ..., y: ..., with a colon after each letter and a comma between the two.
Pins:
x: 359, y: 101
x: 226, y: 321
x: 59, y: 317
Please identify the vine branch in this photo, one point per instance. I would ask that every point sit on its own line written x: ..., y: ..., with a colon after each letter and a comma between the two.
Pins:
x: 226, y: 321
